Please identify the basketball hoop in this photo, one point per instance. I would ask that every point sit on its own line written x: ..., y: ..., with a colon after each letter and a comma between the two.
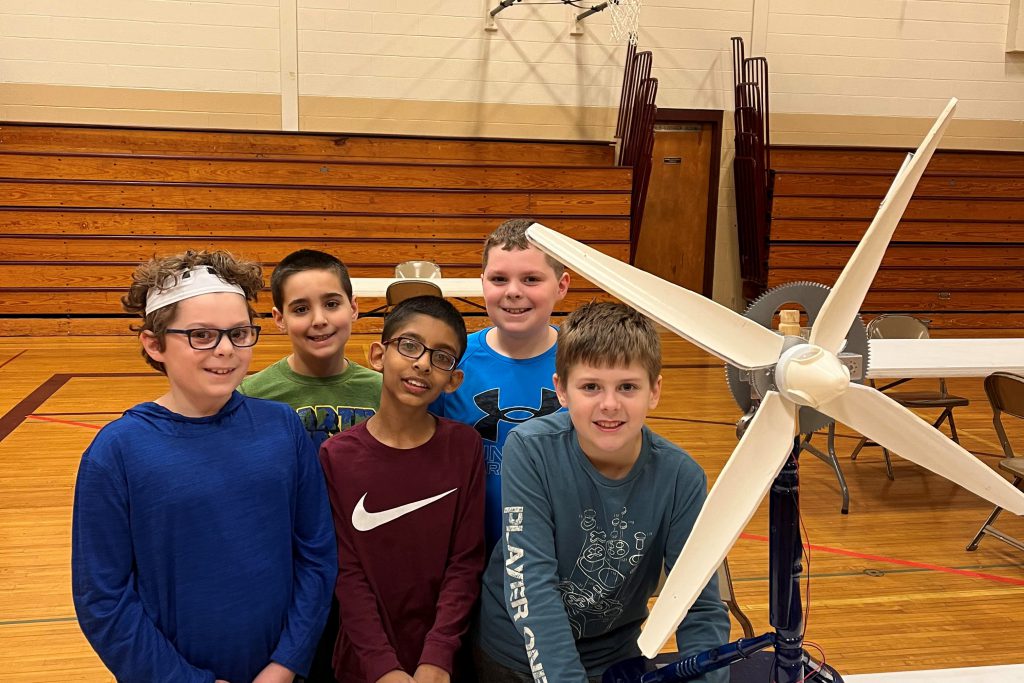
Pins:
x: 625, y: 17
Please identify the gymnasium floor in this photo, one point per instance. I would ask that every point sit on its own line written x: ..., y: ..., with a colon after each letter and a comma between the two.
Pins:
x: 892, y: 588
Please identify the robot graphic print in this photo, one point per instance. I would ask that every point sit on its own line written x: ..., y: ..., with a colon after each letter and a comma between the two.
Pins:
x: 611, y: 550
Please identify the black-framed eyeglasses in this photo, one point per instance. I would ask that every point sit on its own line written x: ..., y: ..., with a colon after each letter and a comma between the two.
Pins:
x: 206, y: 338
x: 413, y: 348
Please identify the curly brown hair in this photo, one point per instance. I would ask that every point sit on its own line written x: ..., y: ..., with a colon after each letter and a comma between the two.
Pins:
x: 155, y: 272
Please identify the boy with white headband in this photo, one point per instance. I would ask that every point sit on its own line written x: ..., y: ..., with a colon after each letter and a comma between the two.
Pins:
x: 202, y: 545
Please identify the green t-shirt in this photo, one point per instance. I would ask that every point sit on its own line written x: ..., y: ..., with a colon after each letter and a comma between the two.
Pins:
x: 326, y: 405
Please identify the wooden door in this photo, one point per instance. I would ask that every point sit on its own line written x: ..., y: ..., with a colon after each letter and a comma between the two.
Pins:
x: 676, y: 239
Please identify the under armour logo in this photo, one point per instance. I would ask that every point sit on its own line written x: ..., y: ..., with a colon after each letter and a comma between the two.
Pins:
x: 489, y: 402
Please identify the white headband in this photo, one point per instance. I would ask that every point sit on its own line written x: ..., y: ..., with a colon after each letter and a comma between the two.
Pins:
x: 187, y: 284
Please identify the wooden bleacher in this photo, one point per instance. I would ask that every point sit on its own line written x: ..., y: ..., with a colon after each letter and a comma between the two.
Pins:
x: 84, y: 204
x: 957, y: 257
x: 32, y: 137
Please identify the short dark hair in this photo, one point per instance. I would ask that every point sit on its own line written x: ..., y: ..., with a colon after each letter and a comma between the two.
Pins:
x: 511, y: 236
x: 302, y: 260
x: 433, y: 306
x: 607, y: 334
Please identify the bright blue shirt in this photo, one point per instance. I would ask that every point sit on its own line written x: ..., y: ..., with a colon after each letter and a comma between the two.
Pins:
x: 202, y: 548
x: 497, y: 394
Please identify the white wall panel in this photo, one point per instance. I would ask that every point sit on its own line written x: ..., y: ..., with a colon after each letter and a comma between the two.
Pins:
x: 893, y: 58
x: 224, y: 46
x: 874, y: 57
x: 870, y: 72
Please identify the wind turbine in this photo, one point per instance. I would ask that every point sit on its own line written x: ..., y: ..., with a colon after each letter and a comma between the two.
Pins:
x: 802, y: 373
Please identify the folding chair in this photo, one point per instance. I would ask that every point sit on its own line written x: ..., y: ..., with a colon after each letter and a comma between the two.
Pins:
x: 728, y: 597
x: 417, y: 273
x: 1006, y: 394
x: 828, y: 456
x: 418, y: 270
x: 427, y: 270
x: 909, y: 327
x: 400, y: 290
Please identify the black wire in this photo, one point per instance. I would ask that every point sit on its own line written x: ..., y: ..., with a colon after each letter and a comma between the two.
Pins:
x: 578, y: 4
x: 575, y: 3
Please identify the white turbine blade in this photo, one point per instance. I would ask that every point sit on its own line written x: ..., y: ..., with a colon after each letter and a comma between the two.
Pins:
x: 886, y: 422
x: 844, y: 301
x: 734, y: 498
x: 903, y: 169
x: 718, y: 330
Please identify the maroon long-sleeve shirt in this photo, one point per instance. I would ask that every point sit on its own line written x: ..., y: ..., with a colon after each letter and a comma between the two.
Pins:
x: 410, y: 534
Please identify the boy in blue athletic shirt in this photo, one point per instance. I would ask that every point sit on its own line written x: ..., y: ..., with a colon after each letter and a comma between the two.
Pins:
x: 202, y: 543
x: 595, y: 505
x: 508, y: 367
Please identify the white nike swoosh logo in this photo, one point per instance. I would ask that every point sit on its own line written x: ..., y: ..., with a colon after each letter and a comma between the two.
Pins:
x: 364, y: 521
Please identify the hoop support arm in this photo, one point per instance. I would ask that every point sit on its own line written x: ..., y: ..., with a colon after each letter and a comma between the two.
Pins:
x: 593, y: 10
x: 503, y: 5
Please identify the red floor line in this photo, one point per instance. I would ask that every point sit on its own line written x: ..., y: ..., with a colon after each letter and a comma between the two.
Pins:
x: 12, y: 358
x: 905, y: 563
x: 10, y: 420
x: 64, y: 422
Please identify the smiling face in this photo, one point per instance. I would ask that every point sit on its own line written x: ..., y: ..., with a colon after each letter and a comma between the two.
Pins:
x: 608, y: 406
x: 317, y: 316
x: 415, y: 382
x: 520, y: 291
x: 201, y: 381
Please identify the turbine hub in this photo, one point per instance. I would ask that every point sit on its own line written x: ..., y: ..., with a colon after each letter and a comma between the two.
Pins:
x: 808, y: 375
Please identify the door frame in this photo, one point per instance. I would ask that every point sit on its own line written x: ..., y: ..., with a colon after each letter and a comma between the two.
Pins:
x: 713, y: 117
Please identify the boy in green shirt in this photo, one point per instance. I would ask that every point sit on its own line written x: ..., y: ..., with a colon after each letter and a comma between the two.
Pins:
x: 314, y: 306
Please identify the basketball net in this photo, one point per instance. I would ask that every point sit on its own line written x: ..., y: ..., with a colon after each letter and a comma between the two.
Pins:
x: 625, y: 18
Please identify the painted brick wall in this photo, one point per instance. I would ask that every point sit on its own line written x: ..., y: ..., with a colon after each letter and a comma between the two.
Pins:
x: 888, y: 57
x: 229, y: 45
x: 156, y: 62
x: 428, y: 65
x: 872, y: 72
x: 863, y: 61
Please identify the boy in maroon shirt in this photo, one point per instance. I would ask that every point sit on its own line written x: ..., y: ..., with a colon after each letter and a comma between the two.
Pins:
x: 407, y: 492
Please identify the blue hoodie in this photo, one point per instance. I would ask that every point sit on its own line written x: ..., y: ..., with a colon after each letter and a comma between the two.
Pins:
x: 202, y: 548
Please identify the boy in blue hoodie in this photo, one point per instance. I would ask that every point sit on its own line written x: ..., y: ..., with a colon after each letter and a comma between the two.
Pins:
x: 202, y: 543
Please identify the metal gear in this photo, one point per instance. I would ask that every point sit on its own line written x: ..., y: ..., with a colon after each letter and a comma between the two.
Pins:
x: 811, y: 297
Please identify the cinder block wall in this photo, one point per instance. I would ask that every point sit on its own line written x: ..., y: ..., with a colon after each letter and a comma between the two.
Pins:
x: 865, y: 73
